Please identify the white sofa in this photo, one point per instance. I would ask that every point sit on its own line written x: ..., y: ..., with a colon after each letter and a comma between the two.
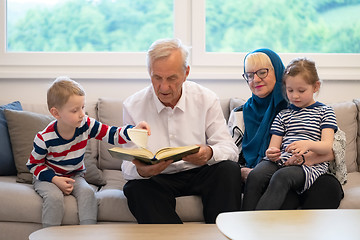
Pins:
x: 20, y: 206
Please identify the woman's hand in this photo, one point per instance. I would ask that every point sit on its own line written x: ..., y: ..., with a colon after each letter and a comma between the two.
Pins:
x: 295, y: 160
x: 273, y: 154
x: 299, y: 148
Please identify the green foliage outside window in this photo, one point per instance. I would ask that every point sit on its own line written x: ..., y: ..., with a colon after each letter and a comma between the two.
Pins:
x: 321, y: 26
x: 87, y: 26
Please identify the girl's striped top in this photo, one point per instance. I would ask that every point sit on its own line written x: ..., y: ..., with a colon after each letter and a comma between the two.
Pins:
x: 295, y: 124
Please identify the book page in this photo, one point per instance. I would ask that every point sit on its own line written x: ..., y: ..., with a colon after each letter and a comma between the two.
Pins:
x: 141, y: 152
x: 169, y: 151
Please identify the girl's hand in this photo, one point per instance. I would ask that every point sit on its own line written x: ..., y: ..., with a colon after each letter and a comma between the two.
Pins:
x: 143, y: 125
x: 273, y: 154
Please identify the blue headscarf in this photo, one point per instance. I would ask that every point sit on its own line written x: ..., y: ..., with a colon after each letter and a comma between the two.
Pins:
x: 259, y: 114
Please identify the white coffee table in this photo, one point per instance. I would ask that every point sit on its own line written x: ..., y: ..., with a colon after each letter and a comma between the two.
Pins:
x: 291, y: 225
x: 186, y: 231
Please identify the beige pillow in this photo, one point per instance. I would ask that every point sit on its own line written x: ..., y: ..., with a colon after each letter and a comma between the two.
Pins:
x: 23, y: 126
x: 357, y: 102
x: 110, y: 113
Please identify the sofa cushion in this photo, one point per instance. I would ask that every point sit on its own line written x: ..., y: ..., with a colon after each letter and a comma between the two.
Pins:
x: 20, y: 203
x: 236, y: 102
x: 23, y: 126
x: 357, y: 102
x: 93, y: 173
x: 346, y: 116
x: 351, y: 192
x: 7, y: 165
x: 110, y: 113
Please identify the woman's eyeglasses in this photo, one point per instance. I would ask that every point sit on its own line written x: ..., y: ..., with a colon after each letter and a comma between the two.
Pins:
x: 261, y: 73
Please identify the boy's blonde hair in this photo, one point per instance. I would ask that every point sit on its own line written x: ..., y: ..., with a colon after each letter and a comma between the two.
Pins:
x: 61, y: 90
x: 257, y: 59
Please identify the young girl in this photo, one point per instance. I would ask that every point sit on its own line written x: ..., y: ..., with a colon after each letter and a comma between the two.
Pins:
x: 305, y: 126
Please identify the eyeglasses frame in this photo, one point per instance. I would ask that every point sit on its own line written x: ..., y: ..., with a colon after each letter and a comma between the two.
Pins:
x: 256, y: 72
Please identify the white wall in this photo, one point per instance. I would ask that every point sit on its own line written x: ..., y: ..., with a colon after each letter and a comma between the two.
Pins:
x: 34, y: 90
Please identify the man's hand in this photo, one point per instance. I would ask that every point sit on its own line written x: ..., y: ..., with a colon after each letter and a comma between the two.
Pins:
x: 65, y: 184
x: 146, y: 170
x: 201, y: 157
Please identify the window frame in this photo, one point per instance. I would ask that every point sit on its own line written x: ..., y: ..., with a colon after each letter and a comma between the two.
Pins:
x: 189, y: 26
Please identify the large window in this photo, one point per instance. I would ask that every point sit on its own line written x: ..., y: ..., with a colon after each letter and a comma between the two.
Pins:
x: 286, y: 26
x: 109, y: 38
x: 87, y: 25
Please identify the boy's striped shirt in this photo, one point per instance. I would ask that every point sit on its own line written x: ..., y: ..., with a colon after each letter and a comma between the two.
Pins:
x: 54, y: 156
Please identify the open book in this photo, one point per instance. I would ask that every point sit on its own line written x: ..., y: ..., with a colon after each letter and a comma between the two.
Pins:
x: 146, y: 156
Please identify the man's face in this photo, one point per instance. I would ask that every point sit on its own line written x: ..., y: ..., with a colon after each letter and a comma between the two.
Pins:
x: 167, y: 76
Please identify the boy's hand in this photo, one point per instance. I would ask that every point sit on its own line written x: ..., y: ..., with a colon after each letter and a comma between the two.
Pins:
x: 65, y: 184
x: 273, y: 154
x: 143, y: 125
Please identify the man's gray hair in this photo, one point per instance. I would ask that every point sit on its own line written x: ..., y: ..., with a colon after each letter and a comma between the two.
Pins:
x: 162, y: 48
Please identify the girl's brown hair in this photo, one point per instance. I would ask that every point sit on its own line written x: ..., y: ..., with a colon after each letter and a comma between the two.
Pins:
x: 302, y: 66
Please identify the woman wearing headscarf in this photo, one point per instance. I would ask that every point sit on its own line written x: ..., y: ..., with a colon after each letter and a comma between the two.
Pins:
x: 263, y: 71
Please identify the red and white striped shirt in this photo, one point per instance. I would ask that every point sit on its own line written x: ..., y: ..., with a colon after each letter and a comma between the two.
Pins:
x: 54, y: 156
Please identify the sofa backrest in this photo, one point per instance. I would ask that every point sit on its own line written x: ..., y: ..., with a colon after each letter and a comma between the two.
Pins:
x: 346, y: 116
x: 109, y: 111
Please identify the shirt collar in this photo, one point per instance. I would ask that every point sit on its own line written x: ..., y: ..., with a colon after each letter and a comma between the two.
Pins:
x: 312, y: 106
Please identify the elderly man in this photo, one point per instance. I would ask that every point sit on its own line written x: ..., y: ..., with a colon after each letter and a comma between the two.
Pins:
x: 180, y: 113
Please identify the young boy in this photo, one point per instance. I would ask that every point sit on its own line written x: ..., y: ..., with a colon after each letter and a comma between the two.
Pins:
x: 57, y: 159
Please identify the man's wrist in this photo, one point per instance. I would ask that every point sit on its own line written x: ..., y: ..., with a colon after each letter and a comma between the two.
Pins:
x: 211, y: 153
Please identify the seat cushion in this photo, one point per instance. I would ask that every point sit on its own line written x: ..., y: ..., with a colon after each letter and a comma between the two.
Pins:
x: 20, y: 203
x: 351, y: 192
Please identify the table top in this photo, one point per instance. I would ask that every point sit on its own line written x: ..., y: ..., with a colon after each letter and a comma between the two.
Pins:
x: 294, y: 224
x: 186, y: 231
